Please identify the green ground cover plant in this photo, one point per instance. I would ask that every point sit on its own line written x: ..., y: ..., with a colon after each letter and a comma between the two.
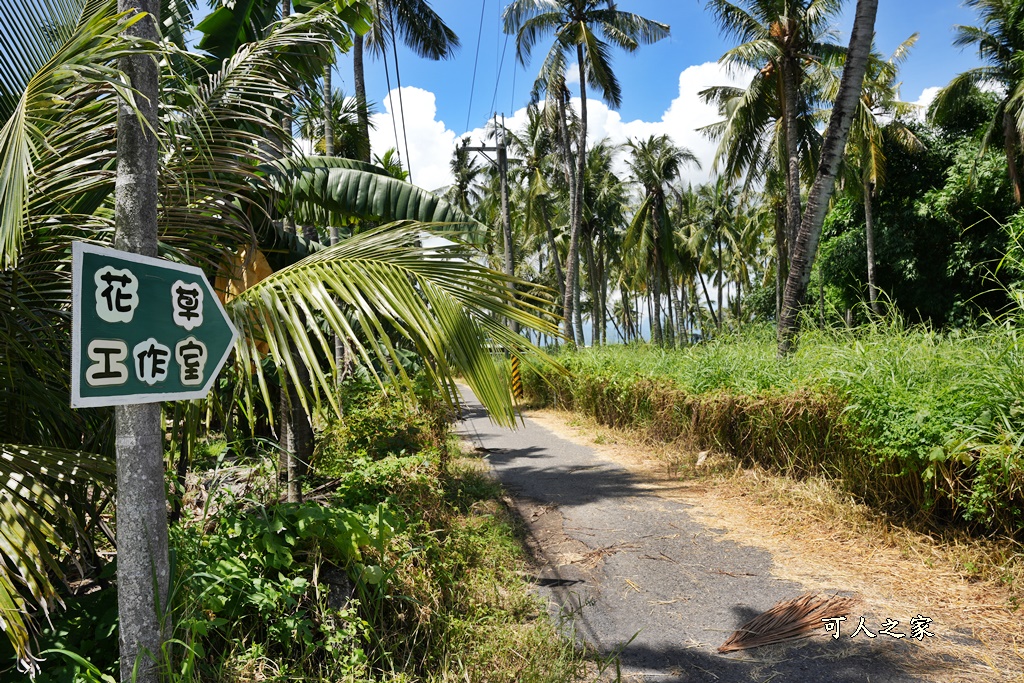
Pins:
x: 924, y: 424
x: 406, y: 566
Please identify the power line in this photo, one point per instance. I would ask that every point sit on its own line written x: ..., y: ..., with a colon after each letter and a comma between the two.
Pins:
x: 387, y: 77
x: 497, y: 80
x: 512, y: 101
x: 401, y: 104
x: 476, y: 60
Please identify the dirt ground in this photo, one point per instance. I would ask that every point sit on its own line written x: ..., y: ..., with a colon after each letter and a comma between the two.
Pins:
x: 816, y: 537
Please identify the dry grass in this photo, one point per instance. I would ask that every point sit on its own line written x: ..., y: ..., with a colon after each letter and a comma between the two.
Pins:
x: 823, y: 538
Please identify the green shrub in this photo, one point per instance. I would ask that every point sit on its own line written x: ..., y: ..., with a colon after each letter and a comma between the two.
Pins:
x: 374, y: 425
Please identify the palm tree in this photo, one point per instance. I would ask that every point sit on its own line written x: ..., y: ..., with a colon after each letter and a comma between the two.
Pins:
x: 534, y: 146
x: 779, y: 41
x: 1000, y: 43
x: 332, y: 120
x: 574, y: 26
x: 419, y: 27
x: 718, y: 234
x: 686, y: 214
x: 843, y: 113
x: 605, y: 203
x: 878, y: 116
x: 656, y: 162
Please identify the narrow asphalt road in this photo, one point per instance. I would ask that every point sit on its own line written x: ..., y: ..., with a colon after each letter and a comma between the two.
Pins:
x: 638, y: 576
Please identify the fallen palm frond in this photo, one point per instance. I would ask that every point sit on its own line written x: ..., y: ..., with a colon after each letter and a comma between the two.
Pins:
x: 788, y: 620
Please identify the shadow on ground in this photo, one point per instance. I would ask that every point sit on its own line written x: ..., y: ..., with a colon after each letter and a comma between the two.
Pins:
x: 640, y: 581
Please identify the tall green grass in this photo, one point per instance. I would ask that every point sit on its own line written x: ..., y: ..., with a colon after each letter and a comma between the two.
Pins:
x: 911, y: 420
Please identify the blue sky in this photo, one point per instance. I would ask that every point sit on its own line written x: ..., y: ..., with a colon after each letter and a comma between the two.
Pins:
x: 648, y: 76
x: 659, y: 82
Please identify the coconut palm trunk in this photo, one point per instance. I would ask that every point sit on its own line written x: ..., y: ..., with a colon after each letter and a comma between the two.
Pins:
x: 711, y: 308
x: 781, y: 258
x: 806, y: 246
x: 1010, y: 144
x: 577, y: 308
x: 573, y: 257
x: 595, y: 298
x: 869, y: 233
x: 602, y: 292
x: 657, y: 333
x: 359, y: 80
x: 143, y: 572
x: 790, y: 106
x: 553, y: 248
x: 721, y: 280
x: 581, y: 165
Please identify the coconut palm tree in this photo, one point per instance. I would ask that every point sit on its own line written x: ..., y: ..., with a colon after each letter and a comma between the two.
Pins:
x: 420, y: 29
x: 879, y: 116
x: 655, y: 162
x: 575, y: 26
x: 534, y: 146
x: 332, y: 125
x: 1000, y: 43
x: 605, y: 207
x: 717, y: 234
x: 843, y: 112
x: 769, y: 125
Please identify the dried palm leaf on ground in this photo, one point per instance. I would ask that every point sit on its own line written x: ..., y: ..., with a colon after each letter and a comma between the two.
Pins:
x: 788, y: 620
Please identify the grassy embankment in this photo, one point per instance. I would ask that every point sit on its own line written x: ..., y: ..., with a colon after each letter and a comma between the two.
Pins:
x: 923, y: 427
x: 404, y: 566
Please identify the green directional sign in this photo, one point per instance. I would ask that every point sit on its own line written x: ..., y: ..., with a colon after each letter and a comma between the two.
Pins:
x: 143, y: 329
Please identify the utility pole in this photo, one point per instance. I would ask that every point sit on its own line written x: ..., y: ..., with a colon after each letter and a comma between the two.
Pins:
x: 143, y: 572
x: 500, y: 149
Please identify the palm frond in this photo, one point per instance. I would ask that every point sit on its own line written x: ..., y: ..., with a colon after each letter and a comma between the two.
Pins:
x: 598, y: 65
x: 788, y: 620
x: 418, y: 25
x: 449, y: 308
x: 87, y: 56
x: 628, y: 30
x: 34, y: 498
x: 341, y: 189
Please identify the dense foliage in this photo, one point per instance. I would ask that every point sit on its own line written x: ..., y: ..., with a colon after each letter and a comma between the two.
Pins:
x: 401, y: 570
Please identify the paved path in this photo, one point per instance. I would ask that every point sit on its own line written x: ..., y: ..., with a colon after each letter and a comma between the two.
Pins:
x: 641, y: 576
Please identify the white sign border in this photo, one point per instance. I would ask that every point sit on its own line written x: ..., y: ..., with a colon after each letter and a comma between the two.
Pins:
x: 78, y: 250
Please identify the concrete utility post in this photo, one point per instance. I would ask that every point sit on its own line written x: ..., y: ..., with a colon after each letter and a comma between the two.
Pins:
x: 143, y: 574
x: 506, y: 220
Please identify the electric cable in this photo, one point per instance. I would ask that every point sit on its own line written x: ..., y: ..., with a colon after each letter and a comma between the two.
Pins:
x: 497, y: 80
x: 476, y: 60
x: 387, y: 77
x: 512, y: 100
x: 401, y: 104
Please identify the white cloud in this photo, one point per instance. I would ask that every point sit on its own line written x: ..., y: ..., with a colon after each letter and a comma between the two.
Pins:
x: 572, y: 74
x: 925, y: 101
x: 431, y: 143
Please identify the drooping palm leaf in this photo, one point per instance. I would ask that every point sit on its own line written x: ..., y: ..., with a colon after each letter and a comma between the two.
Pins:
x: 45, y: 72
x: 34, y: 499
x: 449, y: 308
